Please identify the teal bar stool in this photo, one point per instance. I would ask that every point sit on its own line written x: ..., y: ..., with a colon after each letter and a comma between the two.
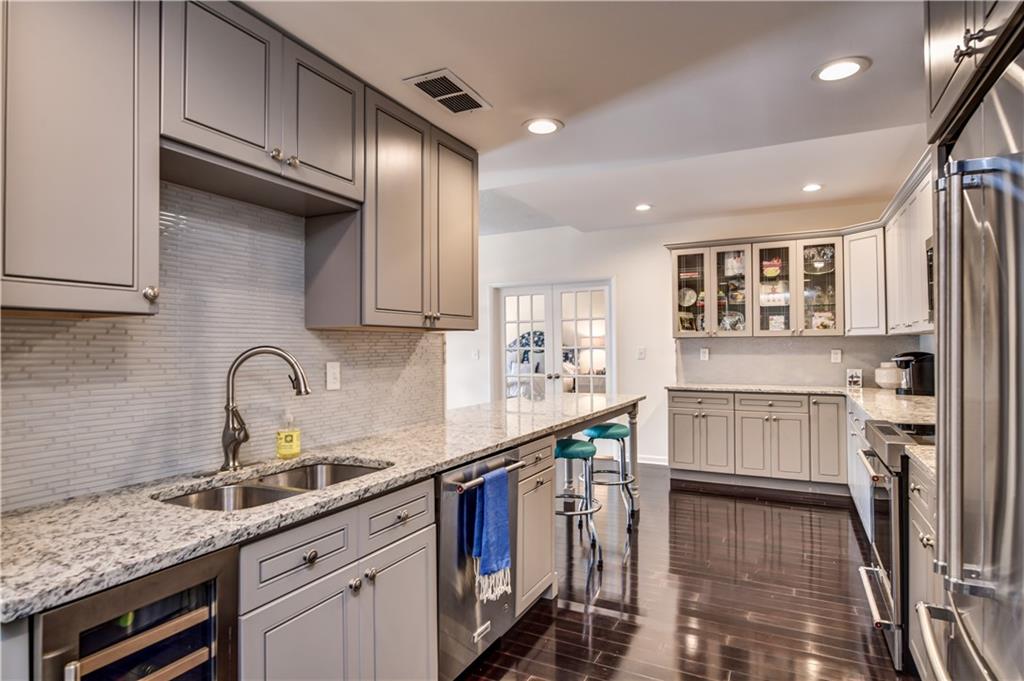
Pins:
x: 585, y: 506
x: 622, y: 476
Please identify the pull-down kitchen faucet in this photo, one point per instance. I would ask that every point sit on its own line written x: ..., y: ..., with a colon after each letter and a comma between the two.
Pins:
x: 235, y: 432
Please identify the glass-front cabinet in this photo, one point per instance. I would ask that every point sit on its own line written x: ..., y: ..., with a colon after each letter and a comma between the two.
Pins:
x: 690, y: 282
x: 730, y: 274
x: 820, y: 305
x: 775, y: 311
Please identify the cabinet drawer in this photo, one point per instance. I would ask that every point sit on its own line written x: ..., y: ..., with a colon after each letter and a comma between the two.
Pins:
x: 775, y: 403
x: 689, y: 400
x: 279, y: 564
x: 922, y: 490
x: 391, y: 517
x: 539, y: 455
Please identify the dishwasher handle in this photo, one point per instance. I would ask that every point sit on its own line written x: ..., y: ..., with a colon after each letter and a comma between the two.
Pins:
x: 476, y: 482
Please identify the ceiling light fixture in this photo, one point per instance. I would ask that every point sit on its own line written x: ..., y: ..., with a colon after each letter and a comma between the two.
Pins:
x: 544, y: 126
x: 812, y: 187
x: 643, y: 207
x: 841, y: 68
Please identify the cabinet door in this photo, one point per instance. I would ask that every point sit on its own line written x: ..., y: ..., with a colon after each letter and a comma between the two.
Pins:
x: 916, y: 260
x: 398, y: 610
x: 777, y: 275
x: 323, y: 124
x: 753, y: 443
x: 828, y: 439
x: 730, y: 279
x: 396, y: 250
x: 894, y: 274
x: 864, y: 259
x: 819, y: 297
x: 684, y: 439
x: 312, y: 634
x: 454, y: 229
x: 945, y: 23
x: 717, y: 439
x: 222, y: 81
x: 690, y: 277
x: 535, y: 538
x: 81, y: 188
x: 921, y: 587
x: 790, y: 451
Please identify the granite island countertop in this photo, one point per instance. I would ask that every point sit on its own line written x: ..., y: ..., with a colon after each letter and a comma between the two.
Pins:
x: 60, y: 552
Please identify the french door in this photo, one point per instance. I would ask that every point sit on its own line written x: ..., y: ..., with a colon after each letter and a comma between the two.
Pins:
x: 556, y: 339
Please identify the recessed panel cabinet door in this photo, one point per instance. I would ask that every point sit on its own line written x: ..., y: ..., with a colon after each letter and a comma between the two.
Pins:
x: 323, y: 124
x: 684, y: 439
x: 81, y: 156
x: 396, y: 246
x: 312, y: 634
x: 717, y: 455
x: 455, y: 229
x: 864, y: 280
x: 398, y: 610
x: 791, y: 446
x: 535, y: 538
x: 222, y: 81
x: 753, y: 443
x: 828, y: 439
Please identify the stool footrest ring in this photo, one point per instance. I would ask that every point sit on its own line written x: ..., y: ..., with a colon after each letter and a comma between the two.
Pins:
x: 629, y: 480
x: 584, y: 511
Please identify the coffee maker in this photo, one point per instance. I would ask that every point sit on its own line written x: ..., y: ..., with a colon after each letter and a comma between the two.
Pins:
x: 917, y: 373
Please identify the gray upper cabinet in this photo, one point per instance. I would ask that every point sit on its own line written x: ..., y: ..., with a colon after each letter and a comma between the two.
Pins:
x: 396, y: 236
x: 222, y: 82
x: 398, y: 610
x: 323, y: 124
x: 455, y: 230
x: 81, y: 212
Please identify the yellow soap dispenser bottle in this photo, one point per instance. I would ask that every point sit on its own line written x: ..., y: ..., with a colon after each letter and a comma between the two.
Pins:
x: 289, y: 443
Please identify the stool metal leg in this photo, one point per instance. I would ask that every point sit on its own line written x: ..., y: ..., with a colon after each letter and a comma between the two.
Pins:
x: 595, y: 544
x: 627, y: 490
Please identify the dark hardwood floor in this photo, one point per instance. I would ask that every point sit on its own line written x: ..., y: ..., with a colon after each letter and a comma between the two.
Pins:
x: 711, y: 587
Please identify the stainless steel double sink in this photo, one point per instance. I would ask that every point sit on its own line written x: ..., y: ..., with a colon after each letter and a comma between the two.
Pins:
x: 272, y: 487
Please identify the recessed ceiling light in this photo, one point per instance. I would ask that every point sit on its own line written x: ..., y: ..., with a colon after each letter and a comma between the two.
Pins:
x: 643, y: 207
x: 841, y: 68
x: 543, y: 126
x: 812, y: 187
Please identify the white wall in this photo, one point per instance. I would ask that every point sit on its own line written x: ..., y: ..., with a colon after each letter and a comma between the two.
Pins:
x: 638, y: 265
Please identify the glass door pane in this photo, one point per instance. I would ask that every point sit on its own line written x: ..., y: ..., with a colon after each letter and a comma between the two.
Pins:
x: 774, y: 273
x: 691, y: 271
x: 583, y: 339
x: 819, y: 261
x: 732, y: 304
x: 524, y: 363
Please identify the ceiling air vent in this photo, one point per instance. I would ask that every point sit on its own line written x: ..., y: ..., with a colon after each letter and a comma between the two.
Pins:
x: 450, y: 91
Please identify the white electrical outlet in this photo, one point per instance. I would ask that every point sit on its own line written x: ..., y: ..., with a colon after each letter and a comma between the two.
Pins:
x: 334, y: 375
x: 476, y: 353
x: 641, y: 352
x: 837, y: 356
x: 705, y: 354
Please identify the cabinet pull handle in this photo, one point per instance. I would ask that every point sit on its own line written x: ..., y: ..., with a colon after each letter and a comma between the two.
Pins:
x: 437, y: 315
x: 961, y: 53
x: 814, y: 401
x: 403, y: 516
x: 549, y: 376
x: 310, y: 557
x: 700, y: 401
x: 926, y: 540
x: 293, y: 161
x: 355, y: 584
x: 770, y: 403
x: 370, y: 574
x: 540, y: 481
x: 151, y: 293
x: 276, y: 154
x: 914, y: 487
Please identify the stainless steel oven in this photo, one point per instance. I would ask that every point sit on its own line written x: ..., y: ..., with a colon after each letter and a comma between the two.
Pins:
x: 885, y: 579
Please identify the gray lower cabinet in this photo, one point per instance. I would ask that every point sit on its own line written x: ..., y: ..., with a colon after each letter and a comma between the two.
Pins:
x: 828, y: 439
x: 790, y: 446
x: 398, y: 610
x: 535, y: 538
x: 925, y: 586
x: 753, y: 443
x: 81, y: 173
x: 717, y: 452
x: 684, y: 439
x: 312, y: 634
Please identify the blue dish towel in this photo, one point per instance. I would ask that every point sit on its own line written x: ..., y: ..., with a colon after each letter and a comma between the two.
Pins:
x: 491, y: 553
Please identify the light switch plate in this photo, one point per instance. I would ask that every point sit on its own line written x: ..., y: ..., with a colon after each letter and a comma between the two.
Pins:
x: 705, y: 354
x: 476, y: 353
x: 641, y: 352
x: 837, y: 356
x: 334, y: 375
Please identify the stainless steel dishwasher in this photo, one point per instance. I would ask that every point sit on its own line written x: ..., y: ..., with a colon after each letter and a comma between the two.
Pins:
x: 467, y: 627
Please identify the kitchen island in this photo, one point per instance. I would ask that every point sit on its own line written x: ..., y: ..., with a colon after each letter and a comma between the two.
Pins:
x: 60, y: 552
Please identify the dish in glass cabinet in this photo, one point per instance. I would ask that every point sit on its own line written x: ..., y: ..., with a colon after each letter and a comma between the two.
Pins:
x: 732, y: 321
x: 771, y: 268
x: 737, y: 296
x: 687, y: 297
x: 820, y: 260
x: 823, y: 320
x: 777, y: 322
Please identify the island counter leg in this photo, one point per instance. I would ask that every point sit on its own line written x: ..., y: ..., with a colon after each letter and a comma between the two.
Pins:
x: 634, y: 449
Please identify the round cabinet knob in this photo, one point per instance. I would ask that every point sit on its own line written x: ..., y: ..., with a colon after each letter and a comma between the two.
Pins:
x: 276, y: 154
x: 370, y: 574
x: 310, y: 557
x: 926, y: 540
x: 355, y: 584
x: 538, y: 458
x: 549, y: 376
x: 437, y: 315
x: 770, y: 403
x: 814, y: 401
x: 914, y: 487
x: 151, y: 293
x: 700, y: 401
x: 558, y: 375
x: 765, y: 418
x: 403, y: 516
x: 294, y: 161
x: 775, y: 418
x: 540, y: 481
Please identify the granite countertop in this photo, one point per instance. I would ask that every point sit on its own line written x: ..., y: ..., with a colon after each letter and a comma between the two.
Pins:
x: 59, y: 552
x: 925, y: 455
x: 765, y: 388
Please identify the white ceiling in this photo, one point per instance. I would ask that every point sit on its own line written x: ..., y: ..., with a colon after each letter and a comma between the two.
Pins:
x: 698, y: 108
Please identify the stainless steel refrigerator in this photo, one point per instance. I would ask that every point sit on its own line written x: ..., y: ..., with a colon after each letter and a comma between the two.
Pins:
x: 978, y: 629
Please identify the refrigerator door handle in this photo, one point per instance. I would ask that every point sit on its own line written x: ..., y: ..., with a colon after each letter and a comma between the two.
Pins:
x: 941, y: 562
x: 954, y: 387
x: 931, y: 648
